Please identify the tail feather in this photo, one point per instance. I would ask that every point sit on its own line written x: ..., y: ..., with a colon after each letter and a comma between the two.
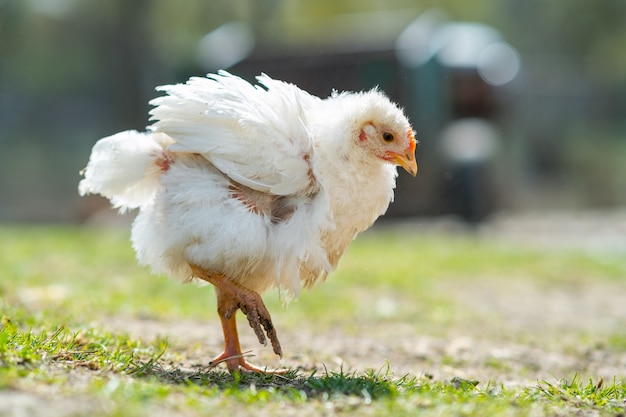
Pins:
x: 123, y: 168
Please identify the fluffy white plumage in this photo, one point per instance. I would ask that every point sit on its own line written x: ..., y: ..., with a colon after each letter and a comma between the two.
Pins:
x: 266, y: 185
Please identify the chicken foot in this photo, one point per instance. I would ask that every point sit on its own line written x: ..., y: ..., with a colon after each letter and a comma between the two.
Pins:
x: 232, y: 296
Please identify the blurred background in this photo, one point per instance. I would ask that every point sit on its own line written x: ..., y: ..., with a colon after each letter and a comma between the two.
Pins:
x: 519, y: 106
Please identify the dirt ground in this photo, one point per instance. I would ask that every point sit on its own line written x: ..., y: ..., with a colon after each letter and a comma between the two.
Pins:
x: 523, y: 332
x: 520, y: 333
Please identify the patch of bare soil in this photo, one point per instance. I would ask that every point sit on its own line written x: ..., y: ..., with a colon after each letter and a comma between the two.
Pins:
x: 515, y: 352
x: 514, y: 332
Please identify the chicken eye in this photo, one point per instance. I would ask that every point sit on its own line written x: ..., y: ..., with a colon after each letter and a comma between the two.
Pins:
x: 388, y: 137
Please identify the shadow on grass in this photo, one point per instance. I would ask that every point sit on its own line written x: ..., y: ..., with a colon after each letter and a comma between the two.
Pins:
x: 369, y: 385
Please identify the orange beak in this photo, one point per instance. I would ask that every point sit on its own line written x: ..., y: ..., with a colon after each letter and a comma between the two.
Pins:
x: 406, y: 159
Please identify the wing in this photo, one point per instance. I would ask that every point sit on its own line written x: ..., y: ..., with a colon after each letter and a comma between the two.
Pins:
x: 256, y: 136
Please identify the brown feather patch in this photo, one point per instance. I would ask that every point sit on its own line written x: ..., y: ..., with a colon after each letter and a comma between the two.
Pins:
x: 276, y: 207
x: 163, y: 161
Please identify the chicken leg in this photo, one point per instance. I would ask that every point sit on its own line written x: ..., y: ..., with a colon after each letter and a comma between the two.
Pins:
x: 230, y: 297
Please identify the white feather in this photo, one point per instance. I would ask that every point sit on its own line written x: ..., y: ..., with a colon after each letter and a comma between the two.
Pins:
x: 121, y: 167
x: 253, y: 135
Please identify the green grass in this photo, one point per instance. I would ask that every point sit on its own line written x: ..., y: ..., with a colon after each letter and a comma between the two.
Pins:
x: 60, y: 285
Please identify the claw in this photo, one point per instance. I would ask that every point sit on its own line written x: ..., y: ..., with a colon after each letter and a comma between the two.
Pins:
x: 259, y: 319
x: 238, y: 363
x: 271, y: 334
x: 253, y: 321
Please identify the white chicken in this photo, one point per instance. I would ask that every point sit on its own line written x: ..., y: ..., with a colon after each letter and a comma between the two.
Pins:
x: 250, y: 187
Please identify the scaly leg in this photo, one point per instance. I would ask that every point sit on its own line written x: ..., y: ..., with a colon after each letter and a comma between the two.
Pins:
x: 230, y: 297
x: 232, y: 354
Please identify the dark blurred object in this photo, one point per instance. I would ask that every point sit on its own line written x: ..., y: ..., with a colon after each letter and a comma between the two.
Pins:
x: 468, y: 146
x: 457, y: 68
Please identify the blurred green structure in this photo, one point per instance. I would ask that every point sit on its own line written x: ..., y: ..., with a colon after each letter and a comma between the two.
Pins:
x: 73, y: 71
